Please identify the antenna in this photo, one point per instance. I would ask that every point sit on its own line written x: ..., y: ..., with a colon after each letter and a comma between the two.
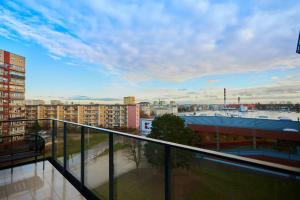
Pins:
x: 298, y: 45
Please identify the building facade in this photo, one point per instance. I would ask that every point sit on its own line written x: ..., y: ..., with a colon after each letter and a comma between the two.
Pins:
x: 129, y: 100
x: 107, y: 116
x: 133, y: 113
x: 12, y: 92
x: 145, y: 108
x: 266, y: 139
x: 160, y: 108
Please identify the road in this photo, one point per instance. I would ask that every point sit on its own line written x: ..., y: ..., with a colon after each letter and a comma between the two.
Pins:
x: 96, y: 166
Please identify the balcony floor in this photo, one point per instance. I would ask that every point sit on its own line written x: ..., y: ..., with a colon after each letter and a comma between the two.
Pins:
x: 31, y: 182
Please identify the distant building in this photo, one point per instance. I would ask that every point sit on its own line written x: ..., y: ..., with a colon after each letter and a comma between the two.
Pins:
x: 172, y: 103
x: 250, y: 135
x: 103, y: 115
x: 34, y: 102
x: 160, y: 108
x: 55, y: 102
x: 133, y: 113
x: 145, y: 108
x: 165, y: 110
x: 129, y: 100
x: 162, y: 103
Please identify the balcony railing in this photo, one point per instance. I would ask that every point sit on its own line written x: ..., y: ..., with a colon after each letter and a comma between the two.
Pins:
x: 106, y: 164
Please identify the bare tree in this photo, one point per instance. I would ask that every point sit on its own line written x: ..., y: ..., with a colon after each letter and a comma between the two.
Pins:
x: 133, y: 152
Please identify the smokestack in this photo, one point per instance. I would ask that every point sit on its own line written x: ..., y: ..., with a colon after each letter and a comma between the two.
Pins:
x: 239, y: 100
x: 224, y: 97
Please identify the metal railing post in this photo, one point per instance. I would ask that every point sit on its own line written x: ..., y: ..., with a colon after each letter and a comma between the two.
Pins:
x: 82, y: 155
x: 111, y: 166
x: 65, y: 146
x: 168, y: 168
x: 217, y: 138
x: 53, y: 139
x: 11, y: 154
x: 36, y: 147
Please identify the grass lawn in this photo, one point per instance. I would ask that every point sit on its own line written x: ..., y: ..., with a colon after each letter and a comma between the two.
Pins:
x: 74, y: 143
x: 204, y: 180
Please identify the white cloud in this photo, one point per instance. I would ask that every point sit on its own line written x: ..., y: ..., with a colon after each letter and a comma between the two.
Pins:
x: 153, y: 40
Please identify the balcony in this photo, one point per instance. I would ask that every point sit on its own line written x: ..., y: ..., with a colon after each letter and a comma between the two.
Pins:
x: 106, y: 164
x: 30, y: 181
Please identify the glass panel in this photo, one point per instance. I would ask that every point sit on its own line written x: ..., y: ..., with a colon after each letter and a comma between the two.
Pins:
x: 5, y: 142
x: 96, y: 161
x: 208, y: 138
x: 59, y: 142
x: 46, y: 133
x: 19, y: 141
x: 44, y: 129
x: 73, y: 149
x: 139, y: 169
x: 195, y: 176
x: 260, y: 143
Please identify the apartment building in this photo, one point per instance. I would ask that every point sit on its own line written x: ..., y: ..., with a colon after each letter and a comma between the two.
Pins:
x: 107, y: 116
x: 34, y: 102
x: 160, y: 108
x: 133, y: 113
x: 12, y: 92
x: 71, y: 113
x: 115, y: 116
x: 145, y: 108
x: 129, y: 100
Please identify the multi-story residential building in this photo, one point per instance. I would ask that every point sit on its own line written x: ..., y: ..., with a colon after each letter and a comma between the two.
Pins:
x: 116, y: 116
x: 108, y: 116
x: 89, y: 114
x: 73, y: 113
x: 32, y: 112
x: 133, y: 113
x: 129, y: 100
x: 161, y: 108
x: 34, y: 102
x: 145, y: 108
x: 12, y: 90
x: 52, y: 111
x: 55, y: 102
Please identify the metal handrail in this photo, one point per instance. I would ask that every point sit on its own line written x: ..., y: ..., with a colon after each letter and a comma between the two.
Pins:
x: 240, y: 159
x: 79, y: 183
x: 253, y: 162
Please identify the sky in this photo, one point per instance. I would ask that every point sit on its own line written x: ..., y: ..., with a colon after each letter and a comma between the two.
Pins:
x: 182, y: 50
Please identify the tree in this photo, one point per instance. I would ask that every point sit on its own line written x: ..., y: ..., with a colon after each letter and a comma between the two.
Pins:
x: 134, y: 152
x: 170, y: 128
x: 34, y: 128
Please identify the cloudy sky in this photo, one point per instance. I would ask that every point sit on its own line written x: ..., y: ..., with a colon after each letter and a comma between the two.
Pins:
x: 183, y: 50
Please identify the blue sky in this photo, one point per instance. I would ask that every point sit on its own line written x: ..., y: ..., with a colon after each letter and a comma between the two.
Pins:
x: 183, y: 50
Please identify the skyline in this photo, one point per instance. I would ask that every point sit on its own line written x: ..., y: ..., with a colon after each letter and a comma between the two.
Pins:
x: 91, y: 49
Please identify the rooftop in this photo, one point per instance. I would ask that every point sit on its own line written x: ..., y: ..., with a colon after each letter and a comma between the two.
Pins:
x: 239, y: 122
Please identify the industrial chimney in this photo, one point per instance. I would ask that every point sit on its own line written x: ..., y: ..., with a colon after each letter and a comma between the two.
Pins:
x: 224, y: 97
